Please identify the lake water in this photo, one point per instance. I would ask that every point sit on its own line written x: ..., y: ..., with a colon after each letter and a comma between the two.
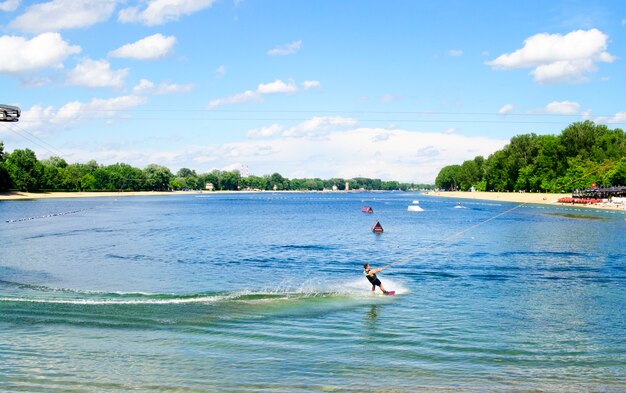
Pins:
x: 265, y: 292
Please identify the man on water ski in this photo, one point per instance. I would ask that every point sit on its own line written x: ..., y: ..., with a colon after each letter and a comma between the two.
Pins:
x: 370, y: 274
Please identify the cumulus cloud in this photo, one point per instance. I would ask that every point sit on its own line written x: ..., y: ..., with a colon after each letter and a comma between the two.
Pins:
x: 96, y: 73
x: 56, y: 15
x: 388, y: 97
x: 48, y: 119
x: 562, y: 107
x: 310, y: 84
x: 319, y: 126
x: 149, y: 48
x: 146, y: 86
x: 47, y: 50
x: 400, y: 154
x: 287, y: 49
x: 240, y: 98
x: 277, y: 86
x: 619, y: 117
x: 96, y: 108
x: 505, y: 109
x: 265, y: 132
x: 557, y: 58
x: 311, y: 128
x: 455, y: 52
x: 9, y: 5
x: 158, y: 12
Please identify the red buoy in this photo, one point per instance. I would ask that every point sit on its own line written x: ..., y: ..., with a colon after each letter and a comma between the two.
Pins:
x: 377, y: 228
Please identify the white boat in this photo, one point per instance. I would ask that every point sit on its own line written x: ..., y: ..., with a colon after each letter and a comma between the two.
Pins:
x: 414, y: 208
x: 416, y: 202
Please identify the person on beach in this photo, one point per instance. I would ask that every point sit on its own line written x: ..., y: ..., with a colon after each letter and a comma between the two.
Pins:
x: 370, y: 274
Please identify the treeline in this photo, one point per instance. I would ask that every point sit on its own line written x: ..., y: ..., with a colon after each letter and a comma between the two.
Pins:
x: 22, y: 171
x: 582, y: 154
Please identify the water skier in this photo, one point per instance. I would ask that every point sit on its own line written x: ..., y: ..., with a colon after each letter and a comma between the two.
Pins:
x: 370, y: 274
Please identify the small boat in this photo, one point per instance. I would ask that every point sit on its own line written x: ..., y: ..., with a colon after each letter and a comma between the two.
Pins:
x: 414, y: 208
x: 416, y: 202
x: 367, y: 209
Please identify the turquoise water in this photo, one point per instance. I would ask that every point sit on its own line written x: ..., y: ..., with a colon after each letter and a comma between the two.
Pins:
x: 264, y: 292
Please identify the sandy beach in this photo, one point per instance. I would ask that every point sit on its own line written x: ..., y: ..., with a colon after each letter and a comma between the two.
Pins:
x: 519, y: 197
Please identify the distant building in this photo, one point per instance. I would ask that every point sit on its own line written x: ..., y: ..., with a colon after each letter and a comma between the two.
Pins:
x: 275, y: 187
x: 347, y: 186
x: 335, y: 188
x: 209, y: 187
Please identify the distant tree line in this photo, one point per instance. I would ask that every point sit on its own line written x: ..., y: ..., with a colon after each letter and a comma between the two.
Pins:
x: 582, y: 154
x: 22, y: 171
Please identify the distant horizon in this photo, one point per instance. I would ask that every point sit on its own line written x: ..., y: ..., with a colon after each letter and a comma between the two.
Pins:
x: 396, y: 90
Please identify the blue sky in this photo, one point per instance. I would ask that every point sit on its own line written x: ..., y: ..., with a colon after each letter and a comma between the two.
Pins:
x: 389, y: 89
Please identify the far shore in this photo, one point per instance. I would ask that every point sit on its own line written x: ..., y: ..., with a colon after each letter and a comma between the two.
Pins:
x: 521, y: 197
x: 19, y: 195
x: 516, y: 197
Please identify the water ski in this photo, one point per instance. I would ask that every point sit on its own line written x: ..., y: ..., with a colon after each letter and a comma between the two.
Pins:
x: 390, y: 293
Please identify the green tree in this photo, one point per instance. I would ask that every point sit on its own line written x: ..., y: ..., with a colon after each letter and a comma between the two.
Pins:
x: 24, y: 170
x: 157, y: 177
x: 230, y: 180
x: 277, y: 180
x: 617, y: 175
x: 448, y: 178
x: 88, y: 182
x: 5, y: 179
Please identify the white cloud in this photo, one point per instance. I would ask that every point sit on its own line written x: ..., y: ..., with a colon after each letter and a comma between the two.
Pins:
x: 399, y: 154
x: 277, y: 86
x: 9, y: 5
x: 40, y: 119
x: 619, y: 117
x: 47, y: 50
x: 159, y: 12
x: 240, y: 98
x: 562, y: 107
x: 557, y: 58
x: 388, y: 97
x: 383, y: 136
x: 148, y: 87
x: 148, y: 48
x: 56, y: 15
x: 319, y: 126
x: 505, y: 109
x: 96, y: 73
x: 221, y: 70
x: 265, y: 132
x: 287, y: 49
x: 455, y: 52
x: 310, y: 84
x: 96, y: 108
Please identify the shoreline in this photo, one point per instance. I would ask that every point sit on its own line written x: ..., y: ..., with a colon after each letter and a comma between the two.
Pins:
x: 19, y: 195
x: 521, y: 197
